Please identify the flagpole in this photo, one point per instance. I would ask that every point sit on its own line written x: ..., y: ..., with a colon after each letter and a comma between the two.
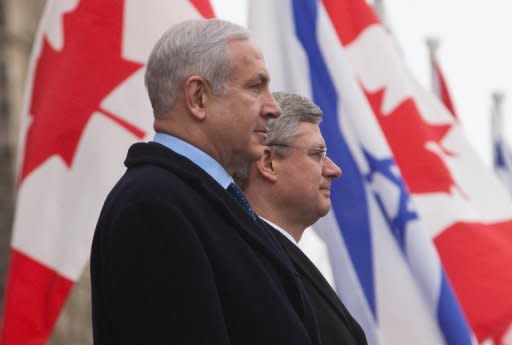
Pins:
x: 501, y: 152
x: 497, y: 115
x: 380, y: 9
x: 498, y: 146
x: 433, y: 46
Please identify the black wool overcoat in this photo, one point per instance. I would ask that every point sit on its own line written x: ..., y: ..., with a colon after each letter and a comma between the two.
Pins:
x: 176, y: 260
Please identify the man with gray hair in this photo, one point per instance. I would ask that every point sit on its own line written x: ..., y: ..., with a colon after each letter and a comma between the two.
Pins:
x: 289, y: 188
x: 178, y: 256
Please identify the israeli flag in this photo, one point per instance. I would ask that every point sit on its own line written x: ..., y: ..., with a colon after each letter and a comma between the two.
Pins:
x: 383, y: 264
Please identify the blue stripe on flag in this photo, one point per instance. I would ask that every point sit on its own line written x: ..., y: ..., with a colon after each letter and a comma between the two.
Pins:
x: 348, y: 193
x: 451, y: 320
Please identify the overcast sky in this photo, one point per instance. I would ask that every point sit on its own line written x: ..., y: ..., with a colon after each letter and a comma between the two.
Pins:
x: 475, y: 53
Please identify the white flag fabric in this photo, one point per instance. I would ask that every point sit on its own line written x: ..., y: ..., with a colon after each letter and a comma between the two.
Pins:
x: 85, y: 104
x: 411, y: 215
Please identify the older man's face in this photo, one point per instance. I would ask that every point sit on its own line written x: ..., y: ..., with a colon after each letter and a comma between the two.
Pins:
x: 305, y: 177
x: 241, y: 114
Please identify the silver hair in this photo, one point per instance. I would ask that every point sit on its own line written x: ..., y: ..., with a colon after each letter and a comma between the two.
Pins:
x: 284, y: 129
x: 193, y: 47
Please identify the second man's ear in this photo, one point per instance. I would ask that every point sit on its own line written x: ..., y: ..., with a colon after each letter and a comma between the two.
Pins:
x: 266, y: 165
x: 197, y: 94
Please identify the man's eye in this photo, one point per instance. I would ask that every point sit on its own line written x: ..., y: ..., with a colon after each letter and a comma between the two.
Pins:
x: 319, y: 155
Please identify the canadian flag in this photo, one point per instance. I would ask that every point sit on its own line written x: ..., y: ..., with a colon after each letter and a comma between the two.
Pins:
x: 85, y: 104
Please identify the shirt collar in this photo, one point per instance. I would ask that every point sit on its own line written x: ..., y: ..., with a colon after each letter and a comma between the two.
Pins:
x: 197, y: 156
x: 281, y: 230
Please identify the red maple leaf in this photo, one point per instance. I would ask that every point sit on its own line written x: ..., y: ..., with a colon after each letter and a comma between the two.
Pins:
x: 408, y: 134
x: 70, y: 84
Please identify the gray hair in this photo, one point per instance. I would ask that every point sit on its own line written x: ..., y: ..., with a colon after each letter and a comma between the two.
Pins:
x: 284, y: 129
x: 193, y: 47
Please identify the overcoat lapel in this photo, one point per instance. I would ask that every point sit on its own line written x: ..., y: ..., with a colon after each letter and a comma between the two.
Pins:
x: 310, y: 272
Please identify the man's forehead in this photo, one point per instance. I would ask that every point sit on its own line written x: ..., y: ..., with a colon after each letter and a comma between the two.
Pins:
x: 249, y: 62
x: 244, y: 48
x: 309, y: 133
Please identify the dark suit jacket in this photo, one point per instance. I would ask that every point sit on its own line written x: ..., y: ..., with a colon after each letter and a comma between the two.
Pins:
x: 177, y: 260
x: 335, y: 323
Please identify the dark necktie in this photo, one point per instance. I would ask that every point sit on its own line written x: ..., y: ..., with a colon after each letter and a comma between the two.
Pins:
x: 240, y: 197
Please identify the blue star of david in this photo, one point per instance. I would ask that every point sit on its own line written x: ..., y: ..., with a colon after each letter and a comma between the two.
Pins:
x: 398, y: 222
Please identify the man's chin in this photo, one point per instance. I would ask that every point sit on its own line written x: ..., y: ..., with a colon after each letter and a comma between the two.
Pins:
x: 325, y: 209
x: 255, y: 153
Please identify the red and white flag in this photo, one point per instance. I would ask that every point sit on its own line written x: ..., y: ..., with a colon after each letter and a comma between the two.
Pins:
x: 85, y: 104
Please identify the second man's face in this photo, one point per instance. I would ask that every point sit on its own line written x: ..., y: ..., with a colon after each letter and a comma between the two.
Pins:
x: 305, y: 177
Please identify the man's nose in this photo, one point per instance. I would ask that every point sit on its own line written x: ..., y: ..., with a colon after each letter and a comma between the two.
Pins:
x: 330, y: 169
x: 271, y: 108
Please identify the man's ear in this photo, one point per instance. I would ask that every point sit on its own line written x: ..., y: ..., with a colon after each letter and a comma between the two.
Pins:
x: 266, y: 165
x: 197, y: 92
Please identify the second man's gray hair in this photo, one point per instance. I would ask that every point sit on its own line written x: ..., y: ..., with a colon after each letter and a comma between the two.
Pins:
x: 294, y: 109
x: 193, y: 47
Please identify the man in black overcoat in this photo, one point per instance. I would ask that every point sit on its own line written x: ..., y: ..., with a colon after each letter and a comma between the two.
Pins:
x: 289, y: 188
x: 178, y: 256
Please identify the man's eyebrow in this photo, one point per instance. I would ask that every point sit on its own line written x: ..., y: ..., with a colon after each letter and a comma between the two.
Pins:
x: 262, y: 78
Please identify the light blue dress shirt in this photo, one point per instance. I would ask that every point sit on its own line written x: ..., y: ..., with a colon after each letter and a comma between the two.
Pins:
x: 199, y: 157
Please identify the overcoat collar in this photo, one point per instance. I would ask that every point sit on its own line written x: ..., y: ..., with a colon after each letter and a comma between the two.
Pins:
x: 310, y: 272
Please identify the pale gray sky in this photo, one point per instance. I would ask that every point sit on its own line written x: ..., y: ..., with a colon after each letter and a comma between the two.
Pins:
x: 475, y: 52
